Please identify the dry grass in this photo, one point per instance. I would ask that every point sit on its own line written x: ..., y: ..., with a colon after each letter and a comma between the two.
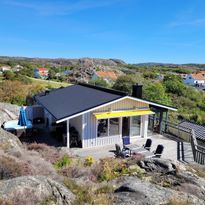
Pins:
x: 177, y: 201
x: 88, y: 194
x: 10, y: 168
x: 4, y: 201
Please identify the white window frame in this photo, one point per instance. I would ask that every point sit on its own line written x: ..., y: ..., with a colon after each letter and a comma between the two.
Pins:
x: 108, y: 127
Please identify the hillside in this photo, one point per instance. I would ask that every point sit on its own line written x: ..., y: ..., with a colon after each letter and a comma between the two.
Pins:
x: 162, y: 83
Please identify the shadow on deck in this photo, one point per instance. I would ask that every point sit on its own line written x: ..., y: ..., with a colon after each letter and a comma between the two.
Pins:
x: 42, y: 136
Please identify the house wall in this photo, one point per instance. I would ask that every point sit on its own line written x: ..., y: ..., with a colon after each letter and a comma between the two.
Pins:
x: 90, y: 138
x: 192, y: 81
x: 189, y: 80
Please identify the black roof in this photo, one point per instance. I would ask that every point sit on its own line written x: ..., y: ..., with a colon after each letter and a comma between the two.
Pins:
x: 74, y: 99
x: 198, y: 129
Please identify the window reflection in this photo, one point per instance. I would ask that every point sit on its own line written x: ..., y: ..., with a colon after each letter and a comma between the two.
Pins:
x: 103, y: 128
x: 114, y: 127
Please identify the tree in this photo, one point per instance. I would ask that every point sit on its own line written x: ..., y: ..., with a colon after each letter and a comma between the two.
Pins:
x: 99, y: 82
x: 174, y: 85
x: 124, y: 83
x: 156, y: 92
x: 9, y: 75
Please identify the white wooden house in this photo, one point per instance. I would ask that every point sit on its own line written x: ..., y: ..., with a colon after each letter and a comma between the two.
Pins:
x: 100, y: 116
x: 195, y: 79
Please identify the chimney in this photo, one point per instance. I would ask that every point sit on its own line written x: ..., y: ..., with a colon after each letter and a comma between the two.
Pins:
x: 137, y: 91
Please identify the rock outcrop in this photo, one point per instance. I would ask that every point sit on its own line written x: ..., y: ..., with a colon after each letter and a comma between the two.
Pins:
x: 134, y: 191
x: 8, y: 112
x: 35, y: 190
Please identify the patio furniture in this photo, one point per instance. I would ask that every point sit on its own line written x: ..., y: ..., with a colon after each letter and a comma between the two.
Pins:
x: 125, y: 152
x: 136, y: 149
x: 148, y: 144
x: 159, y: 150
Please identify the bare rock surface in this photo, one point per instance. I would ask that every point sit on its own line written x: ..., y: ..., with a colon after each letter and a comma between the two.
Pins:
x: 35, y: 190
x: 135, y: 191
x: 9, y: 142
x: 4, y: 116
x: 158, y: 165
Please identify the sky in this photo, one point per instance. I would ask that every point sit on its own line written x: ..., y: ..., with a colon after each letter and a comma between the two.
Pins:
x: 136, y: 31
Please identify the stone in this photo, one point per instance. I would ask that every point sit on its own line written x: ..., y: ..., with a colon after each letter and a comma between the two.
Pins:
x: 134, y: 191
x: 34, y: 190
x: 158, y: 165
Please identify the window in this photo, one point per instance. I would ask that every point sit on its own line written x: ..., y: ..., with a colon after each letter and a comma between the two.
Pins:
x: 102, y: 128
x: 135, y: 125
x: 108, y: 127
x: 114, y: 126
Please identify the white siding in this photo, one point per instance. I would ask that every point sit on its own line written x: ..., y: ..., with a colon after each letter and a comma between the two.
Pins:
x: 126, y: 104
x: 89, y: 135
x: 90, y: 138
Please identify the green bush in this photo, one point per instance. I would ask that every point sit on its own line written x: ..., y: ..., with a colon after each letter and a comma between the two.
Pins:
x: 63, y: 162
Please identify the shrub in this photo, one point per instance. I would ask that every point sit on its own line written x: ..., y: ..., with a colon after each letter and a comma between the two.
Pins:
x: 83, y: 193
x: 63, y: 162
x: 73, y: 172
x: 9, y: 168
x: 89, y: 161
x: 37, y: 146
x: 4, y: 201
x: 109, y: 168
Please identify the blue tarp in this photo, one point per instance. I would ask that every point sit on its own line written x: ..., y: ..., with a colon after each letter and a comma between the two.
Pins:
x: 23, y: 121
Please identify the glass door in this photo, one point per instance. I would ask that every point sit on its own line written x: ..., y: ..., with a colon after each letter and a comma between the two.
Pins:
x: 135, y: 126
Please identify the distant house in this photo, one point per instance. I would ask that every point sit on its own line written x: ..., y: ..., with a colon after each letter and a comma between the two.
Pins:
x: 195, y: 79
x: 108, y: 76
x: 17, y: 68
x: 41, y: 73
x: 203, y: 73
x: 5, y: 68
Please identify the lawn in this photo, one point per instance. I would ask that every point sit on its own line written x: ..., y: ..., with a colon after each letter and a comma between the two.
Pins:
x: 48, y: 83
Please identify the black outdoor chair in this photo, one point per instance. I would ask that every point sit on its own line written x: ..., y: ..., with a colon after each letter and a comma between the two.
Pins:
x: 159, y: 150
x: 148, y: 144
x: 124, y: 153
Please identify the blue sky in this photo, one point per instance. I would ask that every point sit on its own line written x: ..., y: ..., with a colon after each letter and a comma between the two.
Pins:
x: 133, y: 30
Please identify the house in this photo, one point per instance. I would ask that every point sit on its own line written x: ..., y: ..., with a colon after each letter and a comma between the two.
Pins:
x: 5, y: 68
x: 41, y: 73
x: 108, y: 76
x: 96, y: 116
x: 203, y: 73
x: 17, y: 68
x: 195, y: 79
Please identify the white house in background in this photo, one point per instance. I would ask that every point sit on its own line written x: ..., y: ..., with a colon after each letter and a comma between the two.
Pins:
x: 5, y: 68
x: 195, y: 79
x: 95, y: 116
x: 108, y: 76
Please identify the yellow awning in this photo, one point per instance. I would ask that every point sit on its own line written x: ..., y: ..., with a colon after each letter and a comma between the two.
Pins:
x: 126, y: 113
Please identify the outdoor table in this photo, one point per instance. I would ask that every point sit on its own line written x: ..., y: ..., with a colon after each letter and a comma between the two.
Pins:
x: 133, y: 148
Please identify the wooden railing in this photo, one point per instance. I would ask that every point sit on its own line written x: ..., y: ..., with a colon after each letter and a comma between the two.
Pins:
x: 198, y: 150
x: 185, y: 134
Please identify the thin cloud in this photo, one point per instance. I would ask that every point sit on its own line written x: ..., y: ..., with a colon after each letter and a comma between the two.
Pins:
x: 61, y: 8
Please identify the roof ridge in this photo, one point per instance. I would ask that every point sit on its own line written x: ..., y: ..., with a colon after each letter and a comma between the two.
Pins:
x: 108, y: 90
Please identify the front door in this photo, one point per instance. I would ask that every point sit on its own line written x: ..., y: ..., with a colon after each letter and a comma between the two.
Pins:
x: 125, y: 126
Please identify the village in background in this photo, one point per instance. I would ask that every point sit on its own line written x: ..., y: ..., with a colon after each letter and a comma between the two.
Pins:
x: 176, y: 85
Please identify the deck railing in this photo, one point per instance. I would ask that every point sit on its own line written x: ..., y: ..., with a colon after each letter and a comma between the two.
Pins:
x: 185, y: 134
x: 198, y: 150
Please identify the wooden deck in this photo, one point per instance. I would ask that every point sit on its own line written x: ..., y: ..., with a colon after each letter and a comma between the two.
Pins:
x: 172, y: 149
